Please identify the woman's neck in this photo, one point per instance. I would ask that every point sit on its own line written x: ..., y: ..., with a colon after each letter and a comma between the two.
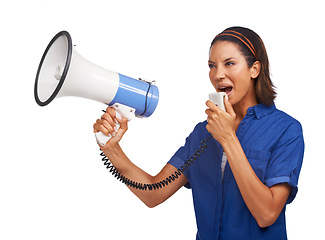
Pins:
x: 241, y: 107
x: 249, y: 100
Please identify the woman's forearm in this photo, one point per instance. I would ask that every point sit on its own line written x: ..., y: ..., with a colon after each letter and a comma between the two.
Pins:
x: 125, y: 167
x: 113, y: 151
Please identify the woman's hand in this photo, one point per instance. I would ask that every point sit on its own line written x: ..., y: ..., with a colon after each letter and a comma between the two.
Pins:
x: 107, y: 124
x: 221, y: 124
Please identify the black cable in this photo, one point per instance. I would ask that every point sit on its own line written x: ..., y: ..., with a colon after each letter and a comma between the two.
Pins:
x: 161, y: 184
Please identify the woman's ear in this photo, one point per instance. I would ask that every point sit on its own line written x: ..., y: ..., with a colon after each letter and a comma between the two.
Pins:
x: 255, y: 69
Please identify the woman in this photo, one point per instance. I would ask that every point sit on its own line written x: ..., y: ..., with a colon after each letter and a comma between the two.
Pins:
x: 249, y: 170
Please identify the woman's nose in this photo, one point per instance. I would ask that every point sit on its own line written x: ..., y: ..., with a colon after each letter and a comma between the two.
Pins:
x: 219, y: 73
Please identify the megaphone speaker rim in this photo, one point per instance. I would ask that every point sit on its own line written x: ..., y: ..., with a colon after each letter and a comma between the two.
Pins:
x: 64, y: 73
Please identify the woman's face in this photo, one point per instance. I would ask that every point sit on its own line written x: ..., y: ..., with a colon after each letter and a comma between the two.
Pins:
x: 230, y: 73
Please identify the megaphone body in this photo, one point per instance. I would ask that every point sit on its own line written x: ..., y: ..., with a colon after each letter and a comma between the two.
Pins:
x: 64, y: 72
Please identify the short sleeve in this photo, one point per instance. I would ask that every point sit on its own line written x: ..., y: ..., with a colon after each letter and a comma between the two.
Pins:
x: 286, y: 159
x: 177, y: 163
x: 178, y: 159
x: 184, y: 152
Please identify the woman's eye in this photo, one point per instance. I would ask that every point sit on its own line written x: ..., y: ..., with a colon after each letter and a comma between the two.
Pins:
x: 211, y: 65
x: 229, y: 63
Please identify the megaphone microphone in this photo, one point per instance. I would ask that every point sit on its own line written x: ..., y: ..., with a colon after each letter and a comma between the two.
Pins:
x: 64, y: 72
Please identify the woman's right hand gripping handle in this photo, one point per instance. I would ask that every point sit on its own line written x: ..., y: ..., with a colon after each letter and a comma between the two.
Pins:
x: 112, y: 125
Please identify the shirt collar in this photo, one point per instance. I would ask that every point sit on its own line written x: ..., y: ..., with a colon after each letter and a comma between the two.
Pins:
x: 261, y: 110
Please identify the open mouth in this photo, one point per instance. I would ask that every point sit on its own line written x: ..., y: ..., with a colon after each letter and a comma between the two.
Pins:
x: 225, y: 89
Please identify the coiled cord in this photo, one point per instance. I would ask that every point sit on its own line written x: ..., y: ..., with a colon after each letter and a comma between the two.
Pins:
x: 154, y: 186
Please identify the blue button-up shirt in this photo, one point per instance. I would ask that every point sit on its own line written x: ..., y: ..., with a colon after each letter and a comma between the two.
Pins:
x: 274, y: 146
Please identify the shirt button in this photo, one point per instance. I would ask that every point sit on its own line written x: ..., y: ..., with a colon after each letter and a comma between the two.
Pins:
x: 242, y: 123
x: 250, y: 111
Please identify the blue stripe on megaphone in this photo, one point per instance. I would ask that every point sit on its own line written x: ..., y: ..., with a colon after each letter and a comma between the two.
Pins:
x: 134, y: 93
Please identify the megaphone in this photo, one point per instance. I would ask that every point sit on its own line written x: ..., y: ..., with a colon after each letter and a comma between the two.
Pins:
x: 64, y: 72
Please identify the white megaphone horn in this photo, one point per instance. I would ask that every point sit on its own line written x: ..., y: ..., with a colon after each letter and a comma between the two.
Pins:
x: 64, y: 72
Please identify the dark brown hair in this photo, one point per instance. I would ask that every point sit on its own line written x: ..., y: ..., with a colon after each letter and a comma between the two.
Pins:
x: 252, y: 47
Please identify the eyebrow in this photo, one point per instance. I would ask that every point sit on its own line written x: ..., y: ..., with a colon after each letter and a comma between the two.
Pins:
x: 227, y: 59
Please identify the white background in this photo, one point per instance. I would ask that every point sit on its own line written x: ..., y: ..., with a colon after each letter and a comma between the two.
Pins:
x: 53, y: 184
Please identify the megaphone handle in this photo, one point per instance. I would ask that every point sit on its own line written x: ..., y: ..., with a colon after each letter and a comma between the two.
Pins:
x: 101, y: 138
x: 121, y: 111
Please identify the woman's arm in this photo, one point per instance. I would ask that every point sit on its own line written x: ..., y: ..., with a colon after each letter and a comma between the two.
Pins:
x: 121, y: 162
x: 264, y: 203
